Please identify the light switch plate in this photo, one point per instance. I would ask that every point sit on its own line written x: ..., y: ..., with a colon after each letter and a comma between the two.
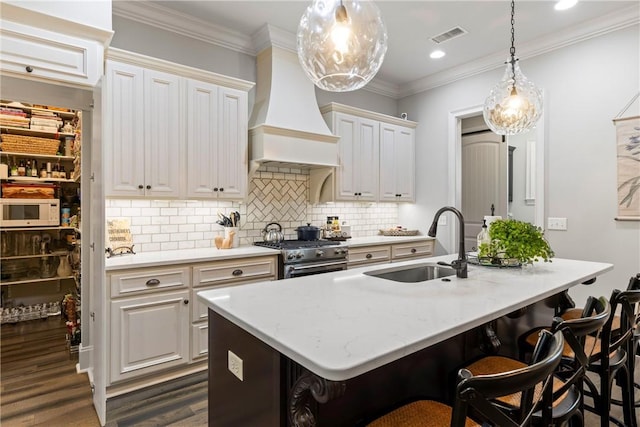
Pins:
x: 235, y: 365
x: 557, y: 223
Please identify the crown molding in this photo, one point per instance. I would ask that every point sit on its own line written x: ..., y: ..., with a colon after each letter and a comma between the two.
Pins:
x: 166, y: 19
x: 268, y: 36
x: 611, y: 22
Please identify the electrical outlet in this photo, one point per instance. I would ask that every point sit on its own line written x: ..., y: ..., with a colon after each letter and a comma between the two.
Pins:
x: 235, y: 365
x: 557, y: 223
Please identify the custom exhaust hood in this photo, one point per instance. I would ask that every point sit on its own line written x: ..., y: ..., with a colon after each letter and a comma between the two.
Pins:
x: 286, y: 127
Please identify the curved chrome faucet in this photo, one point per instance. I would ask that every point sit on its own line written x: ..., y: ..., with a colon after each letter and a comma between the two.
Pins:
x: 460, y: 265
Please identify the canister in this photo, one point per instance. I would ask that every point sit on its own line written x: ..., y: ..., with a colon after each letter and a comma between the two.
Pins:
x: 65, y: 216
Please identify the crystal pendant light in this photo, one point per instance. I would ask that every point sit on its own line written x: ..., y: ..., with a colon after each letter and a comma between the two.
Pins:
x: 514, y: 105
x: 341, y: 45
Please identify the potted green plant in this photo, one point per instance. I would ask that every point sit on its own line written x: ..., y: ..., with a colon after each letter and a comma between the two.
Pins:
x: 514, y: 242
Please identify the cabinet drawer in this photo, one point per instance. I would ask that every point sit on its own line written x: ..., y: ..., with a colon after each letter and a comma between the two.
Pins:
x: 199, y: 340
x: 50, y: 55
x: 233, y: 271
x: 369, y: 255
x: 412, y: 250
x: 149, y: 280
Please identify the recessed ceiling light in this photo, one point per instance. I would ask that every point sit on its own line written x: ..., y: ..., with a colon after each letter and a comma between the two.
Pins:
x: 437, y: 54
x: 565, y: 4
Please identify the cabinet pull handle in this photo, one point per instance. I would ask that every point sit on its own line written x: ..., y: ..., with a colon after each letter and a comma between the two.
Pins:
x: 152, y: 282
x: 414, y: 250
x: 186, y: 302
x: 368, y: 256
x: 29, y: 69
x: 140, y: 186
x: 237, y: 272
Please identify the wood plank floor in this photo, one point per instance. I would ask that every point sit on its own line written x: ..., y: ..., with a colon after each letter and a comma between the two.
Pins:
x: 40, y: 387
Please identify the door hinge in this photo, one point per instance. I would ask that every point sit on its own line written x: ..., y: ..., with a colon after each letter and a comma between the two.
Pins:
x: 92, y: 178
x: 92, y: 246
x: 93, y: 316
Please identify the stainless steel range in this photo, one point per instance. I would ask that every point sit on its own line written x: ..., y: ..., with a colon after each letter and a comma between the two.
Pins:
x: 306, y: 257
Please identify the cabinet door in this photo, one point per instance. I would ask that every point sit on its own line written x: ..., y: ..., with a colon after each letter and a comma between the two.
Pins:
x: 357, y: 175
x: 202, y: 139
x: 366, y: 164
x: 231, y: 159
x: 397, y: 163
x: 162, y: 134
x: 124, y: 130
x: 149, y: 334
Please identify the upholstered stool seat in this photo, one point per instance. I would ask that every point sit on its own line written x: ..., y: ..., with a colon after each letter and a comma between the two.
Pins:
x: 422, y: 413
x: 478, y: 393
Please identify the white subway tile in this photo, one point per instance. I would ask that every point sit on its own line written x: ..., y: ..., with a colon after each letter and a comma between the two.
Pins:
x: 196, y: 235
x: 177, y: 237
x: 151, y: 229
x: 169, y: 228
x: 130, y: 211
x: 177, y: 220
x: 140, y: 203
x: 194, y: 219
x: 150, y: 247
x: 160, y: 220
x: 157, y: 238
x: 112, y: 212
x: 150, y: 211
x: 159, y: 203
x: 169, y: 246
x: 187, y: 244
x: 120, y: 203
x: 140, y: 220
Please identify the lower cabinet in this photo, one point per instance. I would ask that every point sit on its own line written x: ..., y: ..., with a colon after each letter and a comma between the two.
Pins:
x: 149, y: 333
x: 158, y: 327
x: 381, y: 254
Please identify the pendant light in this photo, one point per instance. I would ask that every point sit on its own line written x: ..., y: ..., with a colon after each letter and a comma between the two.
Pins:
x: 514, y: 105
x: 341, y: 44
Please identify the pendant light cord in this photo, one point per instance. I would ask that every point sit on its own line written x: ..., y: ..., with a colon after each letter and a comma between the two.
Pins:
x: 513, y: 42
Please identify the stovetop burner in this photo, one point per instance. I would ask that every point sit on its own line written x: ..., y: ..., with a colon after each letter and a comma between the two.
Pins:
x: 297, y: 244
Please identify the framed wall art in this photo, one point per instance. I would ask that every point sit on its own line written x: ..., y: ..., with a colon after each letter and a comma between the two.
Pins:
x: 628, y: 159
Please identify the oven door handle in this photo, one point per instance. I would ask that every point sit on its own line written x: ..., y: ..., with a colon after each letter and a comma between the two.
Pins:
x: 317, y: 265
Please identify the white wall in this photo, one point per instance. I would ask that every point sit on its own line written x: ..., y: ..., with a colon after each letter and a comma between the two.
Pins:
x: 586, y: 85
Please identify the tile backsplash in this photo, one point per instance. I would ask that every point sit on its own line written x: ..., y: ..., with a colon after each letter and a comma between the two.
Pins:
x: 275, y: 195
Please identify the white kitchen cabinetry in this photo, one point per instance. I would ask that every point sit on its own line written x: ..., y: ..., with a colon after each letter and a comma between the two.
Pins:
x: 358, y: 150
x: 216, y: 141
x: 149, y: 321
x: 376, y: 156
x: 189, y: 126
x: 143, y: 129
x: 157, y: 324
x: 222, y: 273
x: 397, y: 163
x: 369, y: 255
x: 385, y: 253
x: 65, y: 52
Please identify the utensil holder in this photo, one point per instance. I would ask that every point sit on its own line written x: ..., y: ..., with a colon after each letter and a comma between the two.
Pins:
x: 235, y: 242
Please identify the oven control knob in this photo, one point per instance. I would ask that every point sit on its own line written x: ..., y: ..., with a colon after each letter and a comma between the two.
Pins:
x: 319, y: 253
x: 291, y: 255
x: 299, y: 255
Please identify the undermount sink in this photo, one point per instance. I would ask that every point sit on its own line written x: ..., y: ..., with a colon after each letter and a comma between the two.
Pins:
x: 413, y: 273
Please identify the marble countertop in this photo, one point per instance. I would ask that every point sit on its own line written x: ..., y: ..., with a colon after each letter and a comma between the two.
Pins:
x: 162, y: 258
x: 342, y: 324
x: 384, y: 240
x: 184, y: 256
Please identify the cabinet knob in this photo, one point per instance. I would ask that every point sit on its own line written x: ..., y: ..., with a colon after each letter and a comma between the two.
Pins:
x: 414, y: 250
x: 148, y: 187
x: 221, y: 189
x: 186, y: 302
x: 215, y: 188
x: 140, y: 186
x: 29, y: 69
x: 152, y: 282
x: 368, y: 256
x: 237, y: 272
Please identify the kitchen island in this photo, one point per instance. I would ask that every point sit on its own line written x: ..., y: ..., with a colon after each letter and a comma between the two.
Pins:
x: 359, y: 344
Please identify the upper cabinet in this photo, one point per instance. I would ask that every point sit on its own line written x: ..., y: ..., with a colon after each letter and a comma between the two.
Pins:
x: 216, y: 141
x: 376, y: 156
x: 142, y: 128
x: 38, y: 45
x: 397, y: 163
x: 171, y: 135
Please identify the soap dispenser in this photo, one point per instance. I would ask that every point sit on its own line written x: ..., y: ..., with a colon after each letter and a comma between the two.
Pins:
x: 483, y: 235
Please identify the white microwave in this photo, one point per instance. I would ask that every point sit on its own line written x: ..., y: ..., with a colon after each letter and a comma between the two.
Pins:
x: 29, y: 212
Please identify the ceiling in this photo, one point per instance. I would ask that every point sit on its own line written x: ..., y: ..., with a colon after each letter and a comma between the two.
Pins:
x: 411, y: 24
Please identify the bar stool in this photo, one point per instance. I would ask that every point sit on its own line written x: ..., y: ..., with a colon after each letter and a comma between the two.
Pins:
x: 530, y: 385
x: 568, y: 380
x: 611, y: 362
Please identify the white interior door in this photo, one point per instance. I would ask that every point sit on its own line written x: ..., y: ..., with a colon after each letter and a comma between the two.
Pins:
x: 484, y: 180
